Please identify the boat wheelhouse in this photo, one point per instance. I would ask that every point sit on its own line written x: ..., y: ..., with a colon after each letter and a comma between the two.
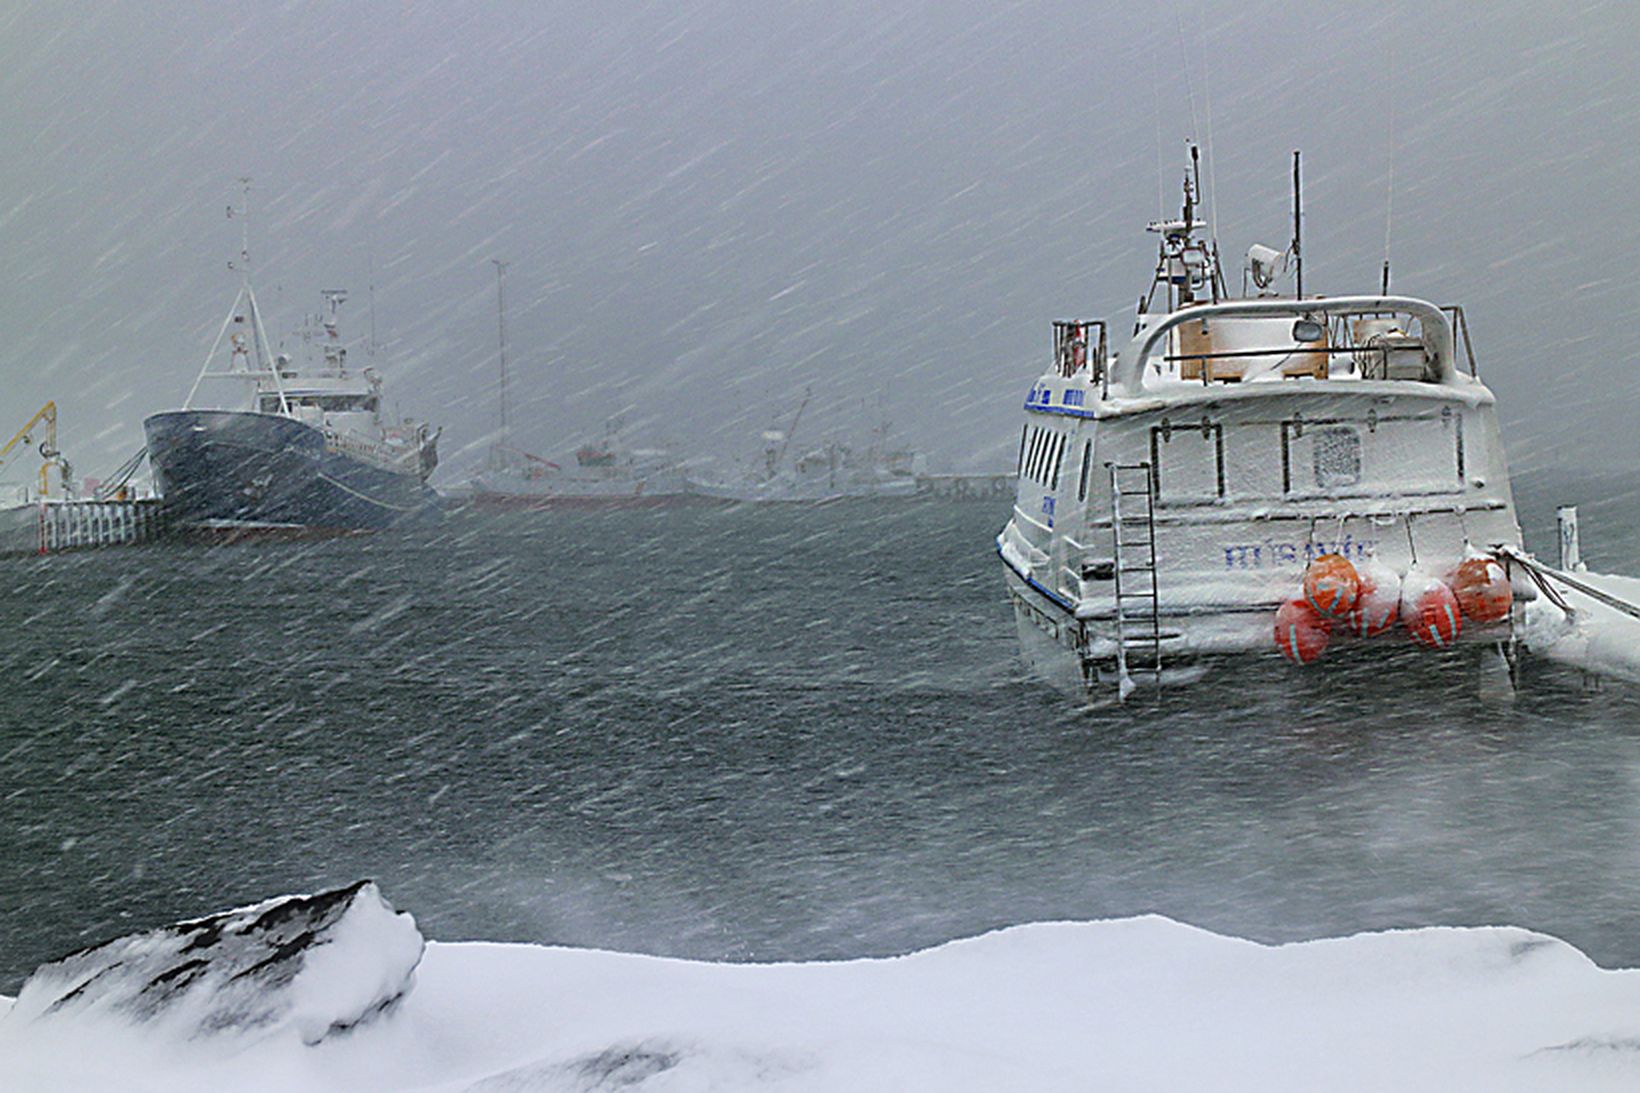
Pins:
x: 1183, y: 498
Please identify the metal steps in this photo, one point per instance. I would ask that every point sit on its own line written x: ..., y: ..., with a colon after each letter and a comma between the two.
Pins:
x: 1133, y: 533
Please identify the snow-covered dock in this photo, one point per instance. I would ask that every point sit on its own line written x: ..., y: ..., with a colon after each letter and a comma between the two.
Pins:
x: 50, y: 524
x: 1597, y: 634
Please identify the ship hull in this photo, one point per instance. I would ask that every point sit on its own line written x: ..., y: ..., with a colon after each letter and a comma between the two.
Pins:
x: 222, y: 471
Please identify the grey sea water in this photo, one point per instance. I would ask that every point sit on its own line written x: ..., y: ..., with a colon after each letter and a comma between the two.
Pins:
x: 748, y: 734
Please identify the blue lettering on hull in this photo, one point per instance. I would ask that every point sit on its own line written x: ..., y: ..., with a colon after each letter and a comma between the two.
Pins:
x: 1272, y: 554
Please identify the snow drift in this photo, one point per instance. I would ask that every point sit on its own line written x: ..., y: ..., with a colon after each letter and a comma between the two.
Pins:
x: 1141, y: 1003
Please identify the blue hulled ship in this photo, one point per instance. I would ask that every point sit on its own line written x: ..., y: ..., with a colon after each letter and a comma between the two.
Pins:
x: 307, y: 448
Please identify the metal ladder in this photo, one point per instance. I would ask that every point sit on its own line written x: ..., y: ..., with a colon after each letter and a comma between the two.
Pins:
x: 1133, y: 530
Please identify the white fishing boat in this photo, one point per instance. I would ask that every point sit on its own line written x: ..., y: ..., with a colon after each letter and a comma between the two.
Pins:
x: 1268, y: 473
x: 831, y: 471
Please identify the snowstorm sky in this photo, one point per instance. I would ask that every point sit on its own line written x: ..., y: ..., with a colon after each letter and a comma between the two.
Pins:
x: 711, y: 206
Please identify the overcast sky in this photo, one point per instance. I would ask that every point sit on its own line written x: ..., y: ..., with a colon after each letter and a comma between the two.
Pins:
x: 711, y: 206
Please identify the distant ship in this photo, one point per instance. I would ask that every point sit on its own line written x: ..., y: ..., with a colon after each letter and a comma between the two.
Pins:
x: 829, y: 472
x: 605, y: 474
x: 307, y: 448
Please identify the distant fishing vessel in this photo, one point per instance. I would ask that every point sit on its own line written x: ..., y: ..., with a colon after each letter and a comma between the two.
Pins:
x: 827, y: 472
x: 1256, y: 474
x: 305, y: 447
x: 605, y: 473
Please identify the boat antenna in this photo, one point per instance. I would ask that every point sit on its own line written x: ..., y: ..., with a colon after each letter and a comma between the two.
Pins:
x: 1196, y: 167
x: 796, y: 418
x: 1161, y: 178
x: 1298, y: 227
x: 501, y: 330
x: 258, y: 341
x: 1216, y: 281
x: 1207, y: 133
x: 370, y: 262
x: 244, y: 232
x: 1389, y: 186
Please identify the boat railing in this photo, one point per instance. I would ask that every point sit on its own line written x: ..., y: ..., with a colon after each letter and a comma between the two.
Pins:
x: 1078, y: 344
x: 1435, y: 340
x: 1460, y: 325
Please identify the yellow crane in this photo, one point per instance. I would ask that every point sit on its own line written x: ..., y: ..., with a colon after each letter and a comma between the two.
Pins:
x: 49, y: 455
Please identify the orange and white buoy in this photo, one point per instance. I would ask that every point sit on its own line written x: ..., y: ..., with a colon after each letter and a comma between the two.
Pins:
x: 1483, y: 590
x: 1331, y: 585
x: 1430, y: 611
x: 1302, y: 632
x: 1378, y: 605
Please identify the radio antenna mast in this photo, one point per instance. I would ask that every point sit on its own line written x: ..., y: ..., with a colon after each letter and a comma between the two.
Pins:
x: 1298, y: 228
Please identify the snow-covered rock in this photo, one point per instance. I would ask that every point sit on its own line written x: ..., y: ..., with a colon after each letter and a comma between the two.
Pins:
x: 312, y: 965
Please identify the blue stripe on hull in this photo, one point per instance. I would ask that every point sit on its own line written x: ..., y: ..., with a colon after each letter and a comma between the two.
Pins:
x: 248, y: 468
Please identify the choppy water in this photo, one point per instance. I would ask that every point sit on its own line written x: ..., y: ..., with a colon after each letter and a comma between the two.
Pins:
x: 744, y: 734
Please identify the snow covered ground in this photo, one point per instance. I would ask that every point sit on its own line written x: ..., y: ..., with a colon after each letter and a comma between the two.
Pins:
x: 1142, y: 1003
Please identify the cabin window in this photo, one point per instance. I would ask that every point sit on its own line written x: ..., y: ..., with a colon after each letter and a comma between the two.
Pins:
x: 1024, y: 443
x: 344, y: 404
x: 1082, y: 482
x: 1337, y: 457
x: 1058, y: 461
x: 330, y: 404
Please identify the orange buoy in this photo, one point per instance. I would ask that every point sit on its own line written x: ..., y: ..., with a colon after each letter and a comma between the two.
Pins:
x: 1483, y: 591
x: 1430, y: 611
x: 1379, y: 603
x: 1332, y: 585
x: 1302, y: 632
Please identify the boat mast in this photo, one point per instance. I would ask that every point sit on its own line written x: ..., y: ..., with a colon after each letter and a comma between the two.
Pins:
x: 501, y: 333
x: 796, y: 419
x: 1185, y: 265
x: 258, y: 348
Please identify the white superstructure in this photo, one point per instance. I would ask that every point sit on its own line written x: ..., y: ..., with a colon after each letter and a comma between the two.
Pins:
x: 1171, y: 495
